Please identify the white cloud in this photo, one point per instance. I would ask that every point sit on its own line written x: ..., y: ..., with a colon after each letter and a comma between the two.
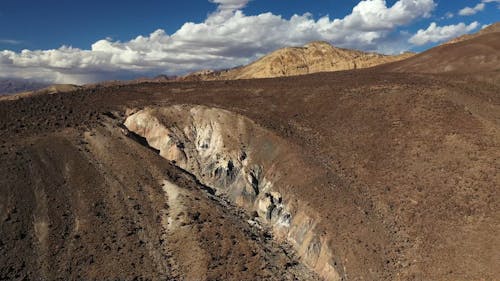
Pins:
x: 468, y: 11
x: 226, y: 38
x: 10, y: 41
x: 493, y: 1
x: 449, y: 15
x: 226, y: 8
x: 435, y: 33
x: 230, y: 4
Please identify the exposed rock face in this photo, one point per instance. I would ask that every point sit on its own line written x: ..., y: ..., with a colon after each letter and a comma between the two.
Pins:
x: 244, y: 163
x: 313, y: 57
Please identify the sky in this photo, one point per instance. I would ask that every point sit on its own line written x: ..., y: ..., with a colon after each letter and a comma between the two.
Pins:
x: 80, y: 42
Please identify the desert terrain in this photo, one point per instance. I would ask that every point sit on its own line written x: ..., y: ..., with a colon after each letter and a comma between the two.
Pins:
x: 384, y: 173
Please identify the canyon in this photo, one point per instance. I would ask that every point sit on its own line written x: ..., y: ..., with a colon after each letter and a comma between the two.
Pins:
x: 246, y: 164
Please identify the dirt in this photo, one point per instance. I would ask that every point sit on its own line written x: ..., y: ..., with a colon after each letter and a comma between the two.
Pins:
x: 408, y: 163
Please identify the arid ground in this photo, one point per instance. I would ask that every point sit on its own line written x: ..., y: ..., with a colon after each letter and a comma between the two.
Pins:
x: 376, y: 174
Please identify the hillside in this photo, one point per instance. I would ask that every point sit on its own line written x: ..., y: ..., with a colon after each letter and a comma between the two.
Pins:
x: 476, y: 53
x: 359, y: 174
x: 312, y: 58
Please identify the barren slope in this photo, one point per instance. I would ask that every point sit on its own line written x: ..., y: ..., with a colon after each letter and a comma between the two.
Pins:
x: 93, y: 204
x: 396, y: 175
x: 478, y: 54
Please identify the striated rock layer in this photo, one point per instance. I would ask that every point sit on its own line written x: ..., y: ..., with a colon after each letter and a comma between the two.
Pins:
x: 250, y: 166
x: 313, y: 57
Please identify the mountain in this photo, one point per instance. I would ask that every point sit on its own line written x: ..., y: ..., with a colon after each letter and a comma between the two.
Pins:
x: 157, y: 79
x: 474, y: 53
x: 313, y: 57
x: 48, y: 90
x: 15, y: 85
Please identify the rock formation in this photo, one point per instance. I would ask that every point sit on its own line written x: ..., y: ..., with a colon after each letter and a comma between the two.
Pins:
x: 246, y: 164
x: 314, y: 57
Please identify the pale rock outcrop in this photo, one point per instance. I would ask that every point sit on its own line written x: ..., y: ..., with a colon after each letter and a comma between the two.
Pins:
x: 243, y: 163
x: 313, y: 57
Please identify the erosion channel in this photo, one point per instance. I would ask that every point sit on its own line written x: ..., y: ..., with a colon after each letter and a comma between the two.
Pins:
x: 246, y: 164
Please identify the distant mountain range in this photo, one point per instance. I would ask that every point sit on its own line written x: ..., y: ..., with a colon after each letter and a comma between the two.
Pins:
x: 15, y: 85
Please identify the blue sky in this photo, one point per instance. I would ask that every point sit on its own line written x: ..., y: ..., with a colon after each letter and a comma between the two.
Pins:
x: 181, y: 36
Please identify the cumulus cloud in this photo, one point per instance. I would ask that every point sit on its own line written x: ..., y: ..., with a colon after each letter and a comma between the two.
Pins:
x: 468, y: 11
x: 226, y: 38
x: 225, y: 9
x: 435, y: 33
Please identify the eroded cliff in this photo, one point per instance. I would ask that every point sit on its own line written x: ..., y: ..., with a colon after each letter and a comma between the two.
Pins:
x: 243, y: 162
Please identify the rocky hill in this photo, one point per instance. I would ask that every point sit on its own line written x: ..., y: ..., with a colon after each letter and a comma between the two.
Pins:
x: 314, y: 57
